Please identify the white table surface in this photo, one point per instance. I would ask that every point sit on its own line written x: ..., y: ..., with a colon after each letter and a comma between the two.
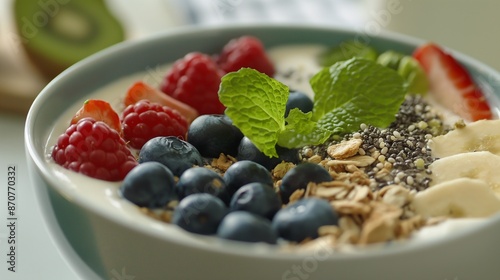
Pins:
x: 37, y: 256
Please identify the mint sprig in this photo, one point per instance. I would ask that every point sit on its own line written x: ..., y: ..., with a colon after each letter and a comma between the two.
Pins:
x: 347, y: 94
x: 256, y: 104
x: 409, y: 68
x: 347, y: 50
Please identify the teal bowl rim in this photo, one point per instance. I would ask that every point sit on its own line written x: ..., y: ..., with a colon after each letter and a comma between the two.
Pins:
x: 80, y: 74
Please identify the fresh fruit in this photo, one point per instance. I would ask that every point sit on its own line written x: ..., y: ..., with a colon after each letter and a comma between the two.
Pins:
x: 94, y: 149
x: 144, y: 120
x: 457, y: 198
x: 483, y: 135
x: 194, y: 80
x: 139, y: 91
x: 303, y: 218
x: 474, y: 165
x: 213, y: 135
x: 242, y: 173
x: 199, y: 213
x: 245, y: 52
x: 257, y: 198
x: 246, y: 227
x: 98, y: 110
x: 451, y: 84
x: 248, y: 151
x: 301, y: 175
x: 57, y: 34
x: 199, y: 180
x: 297, y: 99
x: 149, y: 184
x: 176, y: 154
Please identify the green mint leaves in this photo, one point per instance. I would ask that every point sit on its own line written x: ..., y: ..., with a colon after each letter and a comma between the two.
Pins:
x: 348, y: 93
x: 256, y: 105
x: 405, y: 65
x: 356, y: 91
x: 409, y: 68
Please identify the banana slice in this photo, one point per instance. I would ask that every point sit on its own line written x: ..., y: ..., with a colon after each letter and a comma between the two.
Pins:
x: 458, y: 198
x: 481, y: 135
x: 474, y: 165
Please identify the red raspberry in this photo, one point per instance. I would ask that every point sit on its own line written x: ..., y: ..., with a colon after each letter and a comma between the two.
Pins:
x: 195, y: 80
x: 246, y: 51
x: 93, y: 148
x: 145, y: 120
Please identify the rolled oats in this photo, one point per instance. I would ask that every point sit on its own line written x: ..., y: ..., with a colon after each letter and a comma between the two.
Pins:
x: 360, y: 161
x: 344, y: 149
x: 381, y: 225
x: 346, y: 207
x: 223, y: 162
x: 296, y: 195
x: 281, y: 169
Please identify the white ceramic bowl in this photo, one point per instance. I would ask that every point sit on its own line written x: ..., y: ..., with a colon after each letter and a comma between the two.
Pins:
x: 102, y: 240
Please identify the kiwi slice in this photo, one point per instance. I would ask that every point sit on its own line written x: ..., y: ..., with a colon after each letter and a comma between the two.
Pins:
x: 58, y: 33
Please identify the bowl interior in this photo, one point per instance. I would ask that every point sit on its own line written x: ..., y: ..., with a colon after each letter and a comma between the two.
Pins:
x: 146, y: 56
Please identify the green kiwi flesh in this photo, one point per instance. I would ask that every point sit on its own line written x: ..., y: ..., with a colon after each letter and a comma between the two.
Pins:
x: 58, y: 33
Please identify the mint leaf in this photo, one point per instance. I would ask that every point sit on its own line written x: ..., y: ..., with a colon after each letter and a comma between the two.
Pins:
x: 347, y: 94
x: 347, y: 50
x: 409, y: 68
x: 390, y: 59
x: 256, y: 105
x: 301, y: 130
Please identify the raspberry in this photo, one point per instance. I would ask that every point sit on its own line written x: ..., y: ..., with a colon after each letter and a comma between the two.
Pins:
x: 94, y: 149
x: 194, y: 80
x: 246, y: 51
x: 145, y: 120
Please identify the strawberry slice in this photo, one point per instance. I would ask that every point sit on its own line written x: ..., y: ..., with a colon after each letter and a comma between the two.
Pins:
x: 139, y: 91
x: 99, y: 110
x: 451, y: 84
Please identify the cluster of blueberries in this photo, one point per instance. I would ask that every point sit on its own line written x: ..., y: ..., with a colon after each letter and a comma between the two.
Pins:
x: 242, y: 204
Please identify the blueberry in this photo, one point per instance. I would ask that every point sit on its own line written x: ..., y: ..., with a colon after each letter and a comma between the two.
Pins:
x: 242, y: 173
x: 303, y: 218
x: 297, y: 99
x: 213, y: 135
x: 199, y: 213
x: 174, y: 153
x: 149, y: 184
x: 248, y: 151
x: 246, y: 227
x: 199, y: 180
x: 257, y: 198
x: 301, y: 175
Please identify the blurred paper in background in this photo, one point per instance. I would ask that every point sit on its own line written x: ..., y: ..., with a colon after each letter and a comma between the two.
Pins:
x: 464, y: 25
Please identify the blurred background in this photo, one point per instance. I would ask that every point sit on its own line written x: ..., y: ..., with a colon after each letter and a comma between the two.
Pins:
x: 40, y: 38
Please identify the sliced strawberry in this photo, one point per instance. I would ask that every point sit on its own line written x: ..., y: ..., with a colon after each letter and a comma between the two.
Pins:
x: 99, y: 110
x: 451, y: 84
x: 139, y: 91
